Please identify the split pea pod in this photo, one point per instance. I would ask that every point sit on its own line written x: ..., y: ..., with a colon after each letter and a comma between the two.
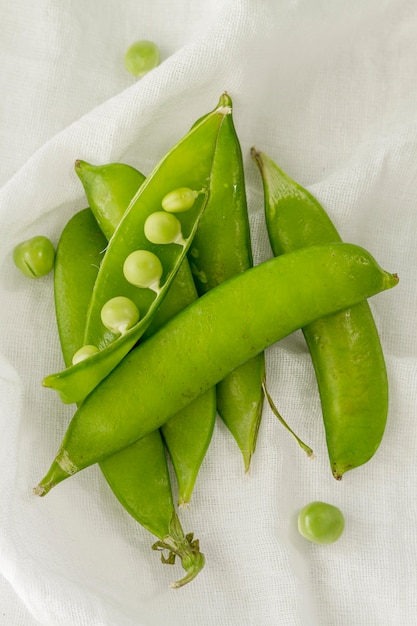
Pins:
x: 222, y: 248
x: 138, y: 269
x: 109, y: 189
x: 345, y: 348
x: 197, y: 348
x: 138, y: 475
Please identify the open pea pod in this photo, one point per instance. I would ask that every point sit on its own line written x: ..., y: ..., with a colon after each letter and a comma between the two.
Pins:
x: 186, y: 167
x: 109, y: 189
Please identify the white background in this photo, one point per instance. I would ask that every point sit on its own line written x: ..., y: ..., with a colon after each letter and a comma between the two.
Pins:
x: 328, y: 89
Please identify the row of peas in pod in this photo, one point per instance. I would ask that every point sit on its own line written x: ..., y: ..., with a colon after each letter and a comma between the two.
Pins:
x: 163, y: 323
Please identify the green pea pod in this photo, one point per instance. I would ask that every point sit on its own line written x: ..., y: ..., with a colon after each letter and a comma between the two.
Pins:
x: 345, y: 348
x: 109, y: 189
x: 197, y: 348
x: 187, y: 434
x: 138, y: 475
x: 222, y: 248
x: 188, y: 164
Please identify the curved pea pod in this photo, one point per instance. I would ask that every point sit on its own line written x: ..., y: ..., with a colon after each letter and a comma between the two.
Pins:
x: 197, y: 348
x: 188, y: 164
x: 345, y: 348
x: 109, y: 189
x: 221, y: 249
x: 138, y: 475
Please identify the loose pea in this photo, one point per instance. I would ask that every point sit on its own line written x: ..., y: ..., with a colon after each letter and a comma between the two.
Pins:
x: 34, y: 257
x: 320, y: 522
x: 143, y: 269
x: 119, y: 314
x: 162, y: 227
x: 83, y: 353
x: 179, y: 200
x: 141, y: 57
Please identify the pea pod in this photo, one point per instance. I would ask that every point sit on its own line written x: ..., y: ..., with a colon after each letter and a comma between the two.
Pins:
x: 109, y: 189
x: 222, y: 248
x: 138, y: 475
x: 345, y: 348
x: 197, y: 348
x: 187, y: 164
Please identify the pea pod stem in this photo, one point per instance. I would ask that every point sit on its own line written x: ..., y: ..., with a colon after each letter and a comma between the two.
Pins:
x: 185, y: 547
x: 277, y: 414
x: 230, y: 324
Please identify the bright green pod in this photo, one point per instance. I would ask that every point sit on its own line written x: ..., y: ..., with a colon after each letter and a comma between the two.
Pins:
x: 203, y: 343
x: 108, y: 208
x: 221, y: 249
x: 188, y: 436
x: 345, y: 348
x: 138, y: 475
x: 188, y: 163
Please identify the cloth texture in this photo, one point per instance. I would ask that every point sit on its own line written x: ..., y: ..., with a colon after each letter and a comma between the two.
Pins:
x: 329, y: 91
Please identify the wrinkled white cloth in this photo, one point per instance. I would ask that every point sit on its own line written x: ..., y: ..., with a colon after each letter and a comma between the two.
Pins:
x: 329, y: 91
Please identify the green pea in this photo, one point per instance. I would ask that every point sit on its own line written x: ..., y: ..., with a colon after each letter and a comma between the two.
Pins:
x: 161, y: 227
x: 207, y: 340
x: 34, y: 257
x: 119, y: 314
x: 179, y: 200
x: 345, y: 347
x: 143, y: 269
x: 320, y: 522
x: 141, y: 57
x: 83, y: 353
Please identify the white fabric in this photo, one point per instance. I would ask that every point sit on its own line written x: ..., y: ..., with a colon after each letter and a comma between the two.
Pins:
x: 327, y: 89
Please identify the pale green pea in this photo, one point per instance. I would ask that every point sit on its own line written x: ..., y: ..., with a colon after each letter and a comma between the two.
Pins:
x: 320, y: 522
x: 179, y: 200
x: 119, y: 314
x: 161, y: 227
x: 141, y: 57
x: 83, y: 353
x: 143, y: 269
x: 34, y: 257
